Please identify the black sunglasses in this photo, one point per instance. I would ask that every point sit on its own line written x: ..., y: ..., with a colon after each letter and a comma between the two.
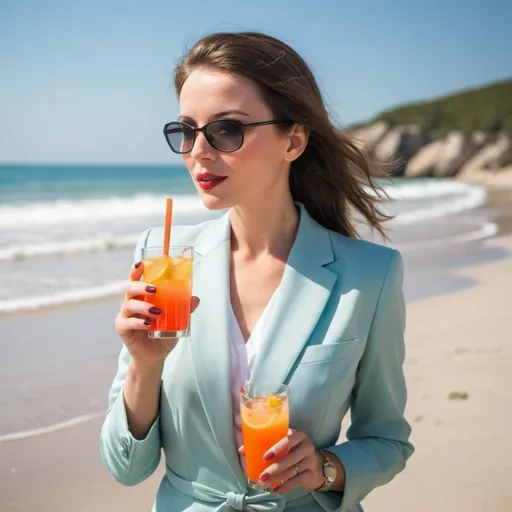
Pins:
x: 226, y: 135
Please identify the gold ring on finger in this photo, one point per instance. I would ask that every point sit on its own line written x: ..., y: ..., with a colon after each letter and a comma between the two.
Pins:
x: 297, y: 468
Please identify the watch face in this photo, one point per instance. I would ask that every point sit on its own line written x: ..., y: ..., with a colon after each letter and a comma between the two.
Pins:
x: 330, y: 471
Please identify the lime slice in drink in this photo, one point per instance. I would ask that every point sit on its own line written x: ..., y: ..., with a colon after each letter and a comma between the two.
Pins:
x: 274, y: 401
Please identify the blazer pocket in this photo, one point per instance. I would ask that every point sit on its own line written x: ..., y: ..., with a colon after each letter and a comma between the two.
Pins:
x: 329, y: 352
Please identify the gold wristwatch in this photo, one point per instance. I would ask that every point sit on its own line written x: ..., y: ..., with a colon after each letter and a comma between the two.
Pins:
x: 330, y: 472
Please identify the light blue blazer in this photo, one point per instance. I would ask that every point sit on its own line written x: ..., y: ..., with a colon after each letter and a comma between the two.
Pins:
x: 336, y: 337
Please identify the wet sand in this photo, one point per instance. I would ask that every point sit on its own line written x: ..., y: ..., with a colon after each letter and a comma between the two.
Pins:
x: 57, y: 365
x: 62, y: 472
x: 458, y: 340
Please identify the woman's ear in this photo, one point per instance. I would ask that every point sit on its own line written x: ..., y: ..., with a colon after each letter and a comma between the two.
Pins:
x: 298, y: 140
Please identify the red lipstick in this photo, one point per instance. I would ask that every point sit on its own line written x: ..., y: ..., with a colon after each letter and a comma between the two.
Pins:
x: 208, y: 181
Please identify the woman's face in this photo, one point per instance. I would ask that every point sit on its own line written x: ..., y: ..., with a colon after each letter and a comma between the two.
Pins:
x: 259, y: 167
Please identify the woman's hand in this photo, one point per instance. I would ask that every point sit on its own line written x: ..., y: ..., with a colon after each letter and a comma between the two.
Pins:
x: 135, y: 318
x: 301, y: 464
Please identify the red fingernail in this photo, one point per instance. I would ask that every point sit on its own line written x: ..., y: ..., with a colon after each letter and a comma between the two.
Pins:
x: 137, y: 265
x: 155, y: 311
x: 148, y: 321
x: 264, y: 477
x: 268, y: 456
x: 150, y: 289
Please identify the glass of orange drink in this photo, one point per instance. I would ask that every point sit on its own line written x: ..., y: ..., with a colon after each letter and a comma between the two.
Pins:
x: 172, y: 277
x: 265, y: 413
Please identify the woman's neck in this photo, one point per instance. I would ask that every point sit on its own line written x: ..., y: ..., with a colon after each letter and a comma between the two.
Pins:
x: 264, y: 227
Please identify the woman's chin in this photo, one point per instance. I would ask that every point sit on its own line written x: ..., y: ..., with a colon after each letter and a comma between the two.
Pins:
x: 213, y: 203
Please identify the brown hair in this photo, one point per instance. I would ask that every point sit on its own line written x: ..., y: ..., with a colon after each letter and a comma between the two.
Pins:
x: 333, y: 175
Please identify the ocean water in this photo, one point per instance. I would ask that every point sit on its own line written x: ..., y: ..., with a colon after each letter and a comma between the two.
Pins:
x: 67, y: 233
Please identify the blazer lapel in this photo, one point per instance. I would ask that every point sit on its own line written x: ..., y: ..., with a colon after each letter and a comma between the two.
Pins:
x: 209, y: 342
x: 301, y: 298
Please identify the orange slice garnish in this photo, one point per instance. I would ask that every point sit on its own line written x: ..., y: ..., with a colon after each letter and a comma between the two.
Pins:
x: 264, y: 414
x: 257, y: 419
x: 156, y: 269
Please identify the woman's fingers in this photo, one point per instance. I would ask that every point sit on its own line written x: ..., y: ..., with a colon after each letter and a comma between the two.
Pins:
x: 285, y: 468
x: 287, y: 444
x: 303, y: 479
x: 139, y: 289
x: 194, y: 304
x: 136, y: 271
x: 134, y: 304
x: 135, y: 324
x: 126, y: 322
x: 138, y: 308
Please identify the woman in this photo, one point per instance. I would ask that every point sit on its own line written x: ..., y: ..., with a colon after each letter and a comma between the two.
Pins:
x: 283, y: 265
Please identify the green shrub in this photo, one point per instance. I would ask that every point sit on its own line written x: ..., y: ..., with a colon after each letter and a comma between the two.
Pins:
x: 487, y: 108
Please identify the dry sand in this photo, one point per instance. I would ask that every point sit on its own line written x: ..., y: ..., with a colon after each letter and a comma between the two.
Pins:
x: 498, y: 184
x: 462, y: 343
x: 498, y: 178
x: 458, y: 342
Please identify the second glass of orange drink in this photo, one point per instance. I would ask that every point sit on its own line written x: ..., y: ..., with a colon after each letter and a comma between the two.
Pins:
x: 265, y: 413
x: 169, y: 270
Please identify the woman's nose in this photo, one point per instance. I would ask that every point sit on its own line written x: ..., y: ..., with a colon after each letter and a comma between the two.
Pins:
x: 202, y: 148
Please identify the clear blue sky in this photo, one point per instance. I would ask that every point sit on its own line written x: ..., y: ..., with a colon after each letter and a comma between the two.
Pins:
x: 89, y: 81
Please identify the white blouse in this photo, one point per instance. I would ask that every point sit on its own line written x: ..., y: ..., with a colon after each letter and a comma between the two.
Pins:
x: 243, y: 356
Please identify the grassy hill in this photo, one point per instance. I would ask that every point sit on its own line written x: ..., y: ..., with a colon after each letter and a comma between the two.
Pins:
x: 487, y: 108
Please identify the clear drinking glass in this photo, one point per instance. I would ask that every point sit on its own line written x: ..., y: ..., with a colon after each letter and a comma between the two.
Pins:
x: 172, y: 277
x: 264, y: 411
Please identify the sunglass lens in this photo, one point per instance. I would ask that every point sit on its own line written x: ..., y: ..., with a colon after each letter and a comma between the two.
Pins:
x: 225, y: 135
x: 180, y: 137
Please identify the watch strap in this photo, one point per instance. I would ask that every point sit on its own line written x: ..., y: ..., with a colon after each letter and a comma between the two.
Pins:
x: 327, y: 481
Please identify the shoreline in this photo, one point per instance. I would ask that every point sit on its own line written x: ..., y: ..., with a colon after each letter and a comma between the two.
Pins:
x: 56, y: 308
x: 50, y: 429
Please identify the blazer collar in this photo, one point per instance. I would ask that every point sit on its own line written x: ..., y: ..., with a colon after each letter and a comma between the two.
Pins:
x: 213, y: 236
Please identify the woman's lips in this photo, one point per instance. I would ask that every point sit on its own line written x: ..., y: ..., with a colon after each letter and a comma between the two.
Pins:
x: 207, y: 181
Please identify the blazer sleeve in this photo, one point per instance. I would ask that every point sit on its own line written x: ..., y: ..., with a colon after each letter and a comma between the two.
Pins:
x: 377, y: 445
x: 128, y: 460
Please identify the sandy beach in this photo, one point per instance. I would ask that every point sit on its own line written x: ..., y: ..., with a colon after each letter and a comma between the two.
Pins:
x: 459, y: 356
x: 459, y: 379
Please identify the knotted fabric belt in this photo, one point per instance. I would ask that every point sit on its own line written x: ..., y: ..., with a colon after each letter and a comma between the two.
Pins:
x: 264, y: 502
